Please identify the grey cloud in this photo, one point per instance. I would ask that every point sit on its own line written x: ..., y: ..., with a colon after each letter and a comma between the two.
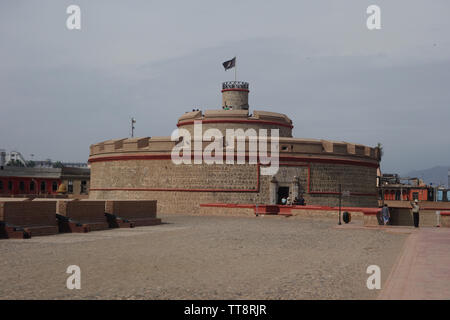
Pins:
x: 61, y: 91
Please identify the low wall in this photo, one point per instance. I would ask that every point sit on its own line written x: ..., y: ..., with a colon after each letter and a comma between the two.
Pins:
x: 28, y: 213
x: 138, y: 212
x: 445, y: 219
x: 132, y: 209
x: 225, y: 209
x: 37, y: 216
x: 304, y: 211
x: 86, y: 212
x: 330, y: 212
x: 404, y: 217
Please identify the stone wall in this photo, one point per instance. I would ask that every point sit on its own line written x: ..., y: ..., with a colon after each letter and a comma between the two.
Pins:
x: 130, y: 209
x: 445, y: 219
x: 182, y: 188
x: 28, y: 213
x: 238, y: 99
x: 82, y: 211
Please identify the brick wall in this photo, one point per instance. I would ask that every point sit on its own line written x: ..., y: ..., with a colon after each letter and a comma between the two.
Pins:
x: 129, y: 209
x: 445, y: 219
x: 28, y: 213
x: 82, y: 211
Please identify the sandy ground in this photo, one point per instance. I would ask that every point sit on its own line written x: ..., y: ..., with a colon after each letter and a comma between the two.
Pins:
x: 200, y: 257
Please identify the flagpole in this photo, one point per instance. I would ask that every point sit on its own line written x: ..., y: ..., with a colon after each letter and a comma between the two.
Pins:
x: 235, y: 67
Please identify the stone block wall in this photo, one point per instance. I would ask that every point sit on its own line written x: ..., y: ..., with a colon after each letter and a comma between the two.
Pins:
x: 226, y: 211
x: 371, y: 220
x: 129, y: 209
x: 445, y: 219
x: 357, y: 179
x: 84, y: 211
x: 331, y: 213
x: 28, y: 213
x: 182, y: 188
x: 38, y: 217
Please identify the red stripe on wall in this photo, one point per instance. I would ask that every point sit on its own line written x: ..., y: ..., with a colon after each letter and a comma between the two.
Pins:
x: 282, y: 158
x: 190, y: 122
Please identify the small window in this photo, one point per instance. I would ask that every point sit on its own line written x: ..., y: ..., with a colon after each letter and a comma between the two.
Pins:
x: 32, y: 186
x: 83, y: 187
x: 10, y: 185
x: 1, y: 184
x: 70, y: 186
x: 22, y: 186
x: 284, y: 148
x: 415, y: 196
x: 54, y: 186
x: 43, y: 186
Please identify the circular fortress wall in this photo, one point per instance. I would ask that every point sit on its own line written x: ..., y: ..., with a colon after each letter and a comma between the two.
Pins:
x: 237, y: 119
x: 142, y: 168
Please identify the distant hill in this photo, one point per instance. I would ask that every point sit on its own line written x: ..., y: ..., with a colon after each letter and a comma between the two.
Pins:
x: 436, y: 175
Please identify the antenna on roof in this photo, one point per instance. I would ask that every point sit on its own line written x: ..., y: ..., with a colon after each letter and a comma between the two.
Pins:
x: 133, y: 121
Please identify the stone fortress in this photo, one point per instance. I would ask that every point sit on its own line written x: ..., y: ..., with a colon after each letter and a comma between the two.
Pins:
x: 142, y: 168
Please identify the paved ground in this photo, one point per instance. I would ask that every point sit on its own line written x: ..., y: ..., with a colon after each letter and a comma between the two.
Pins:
x: 197, y: 257
x: 423, y: 269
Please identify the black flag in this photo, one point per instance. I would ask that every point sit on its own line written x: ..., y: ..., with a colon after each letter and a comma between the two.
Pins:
x: 229, y: 64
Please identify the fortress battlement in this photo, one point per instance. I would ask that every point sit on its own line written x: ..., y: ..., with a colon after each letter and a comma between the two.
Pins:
x: 287, y: 147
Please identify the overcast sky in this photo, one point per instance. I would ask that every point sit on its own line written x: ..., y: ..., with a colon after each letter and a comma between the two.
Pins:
x: 315, y: 61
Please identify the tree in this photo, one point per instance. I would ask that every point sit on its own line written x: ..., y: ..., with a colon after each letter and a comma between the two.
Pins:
x: 58, y: 164
x: 31, y: 164
x: 15, y: 163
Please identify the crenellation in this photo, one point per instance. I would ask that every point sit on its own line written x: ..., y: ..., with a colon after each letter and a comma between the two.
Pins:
x: 292, y: 146
x: 351, y: 148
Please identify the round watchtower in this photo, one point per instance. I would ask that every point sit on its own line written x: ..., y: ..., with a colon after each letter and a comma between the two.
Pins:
x: 235, y: 95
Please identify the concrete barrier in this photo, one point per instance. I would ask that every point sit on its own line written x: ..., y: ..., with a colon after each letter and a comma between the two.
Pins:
x: 328, y: 212
x: 22, y: 219
x: 371, y: 219
x: 81, y: 216
x: 134, y: 212
x: 404, y: 217
x: 294, y: 210
x: 445, y: 219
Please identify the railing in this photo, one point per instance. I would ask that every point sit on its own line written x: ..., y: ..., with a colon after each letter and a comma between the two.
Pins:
x: 235, y: 85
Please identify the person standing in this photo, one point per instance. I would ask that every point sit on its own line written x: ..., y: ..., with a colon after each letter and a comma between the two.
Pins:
x: 415, y: 211
x: 301, y: 201
x: 289, y: 201
x: 385, y: 214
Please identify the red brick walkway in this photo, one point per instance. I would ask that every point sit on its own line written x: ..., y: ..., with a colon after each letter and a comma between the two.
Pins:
x: 423, y: 269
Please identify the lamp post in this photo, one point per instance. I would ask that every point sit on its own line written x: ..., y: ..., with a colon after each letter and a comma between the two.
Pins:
x: 340, y: 202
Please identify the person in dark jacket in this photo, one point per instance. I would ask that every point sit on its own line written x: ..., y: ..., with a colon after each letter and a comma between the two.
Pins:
x: 385, y: 214
x: 415, y: 211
